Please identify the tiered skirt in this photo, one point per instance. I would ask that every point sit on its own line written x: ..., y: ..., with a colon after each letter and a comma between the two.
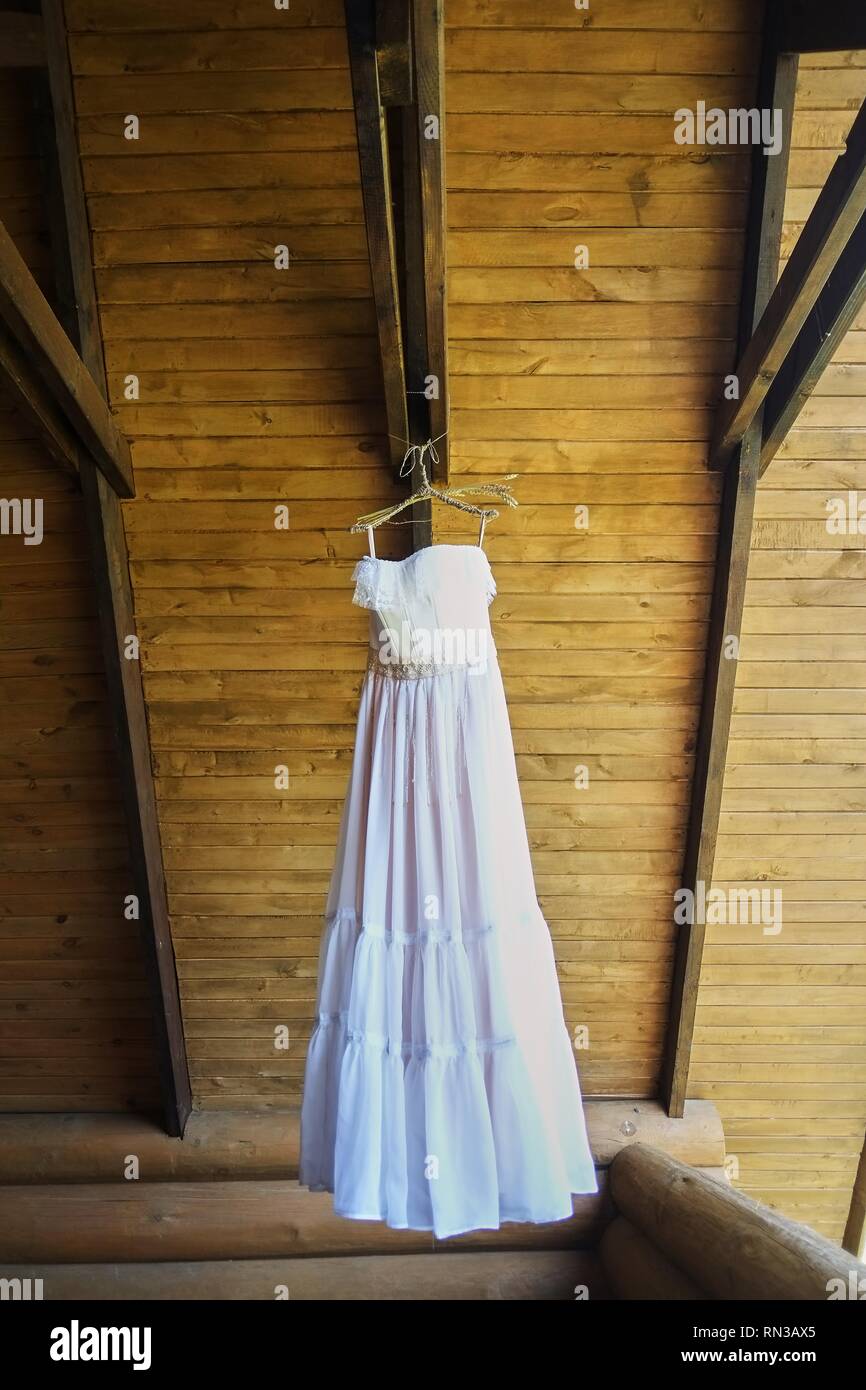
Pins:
x: 441, y: 1090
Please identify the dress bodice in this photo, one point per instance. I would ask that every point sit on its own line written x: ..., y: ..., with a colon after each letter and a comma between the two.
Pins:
x: 429, y: 610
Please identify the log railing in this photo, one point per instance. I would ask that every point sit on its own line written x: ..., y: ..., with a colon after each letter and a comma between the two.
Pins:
x: 679, y: 1234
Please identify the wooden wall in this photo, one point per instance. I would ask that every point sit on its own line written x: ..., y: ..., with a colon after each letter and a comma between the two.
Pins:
x: 75, y: 1031
x: 595, y: 386
x: 781, y: 1025
x: 259, y: 386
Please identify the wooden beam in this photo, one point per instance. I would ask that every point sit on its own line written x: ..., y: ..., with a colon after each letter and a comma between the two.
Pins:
x: 811, y: 28
x: 409, y: 259
x: 841, y: 205
x: 462, y: 1276
x: 729, y: 1245
x: 726, y: 611
x: 33, y: 323
x: 116, y: 612
x: 22, y: 40
x: 777, y: 83
x: 429, y: 40
x: 394, y: 52
x: 236, y: 1221
x: 415, y: 341
x: 854, y: 1239
x: 117, y: 617
x: 62, y: 288
x: 378, y: 215
x: 265, y: 1144
x: 834, y: 312
x: 34, y: 401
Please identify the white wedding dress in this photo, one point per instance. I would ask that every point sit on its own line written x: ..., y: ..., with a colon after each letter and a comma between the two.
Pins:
x: 441, y: 1091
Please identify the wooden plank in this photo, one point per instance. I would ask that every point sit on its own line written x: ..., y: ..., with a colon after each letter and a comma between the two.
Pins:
x: 576, y: 49
x: 829, y: 320
x: 378, y: 215
x: 839, y: 209
x: 285, y: 49
x: 32, y: 322
x: 776, y: 90
x: 117, y: 617
x: 723, y: 16
x: 104, y: 16
x: 22, y: 40
x: 166, y: 93
x: 713, y: 16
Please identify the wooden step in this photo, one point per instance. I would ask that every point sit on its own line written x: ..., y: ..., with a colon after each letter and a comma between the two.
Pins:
x: 140, y: 1221
x: 528, y: 1275
x: 264, y: 1145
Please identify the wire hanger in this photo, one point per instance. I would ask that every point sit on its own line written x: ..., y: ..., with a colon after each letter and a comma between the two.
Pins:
x: 452, y: 497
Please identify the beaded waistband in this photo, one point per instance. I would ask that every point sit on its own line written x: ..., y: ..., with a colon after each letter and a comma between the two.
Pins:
x: 418, y: 670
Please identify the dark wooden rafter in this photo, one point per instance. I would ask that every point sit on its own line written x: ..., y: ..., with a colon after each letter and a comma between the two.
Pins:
x: 418, y: 407
x: 424, y: 253
x: 777, y: 84
x: 396, y: 54
x: 429, y: 39
x: 839, y: 210
x: 22, y: 40
x: 116, y: 612
x: 63, y: 292
x: 854, y: 1239
x: 834, y: 312
x: 379, y: 216
x: 27, y: 391
x: 58, y: 370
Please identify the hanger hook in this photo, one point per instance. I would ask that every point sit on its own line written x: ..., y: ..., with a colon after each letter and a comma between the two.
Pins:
x: 415, y: 455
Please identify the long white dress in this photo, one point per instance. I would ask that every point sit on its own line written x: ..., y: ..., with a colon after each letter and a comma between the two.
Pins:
x: 441, y: 1091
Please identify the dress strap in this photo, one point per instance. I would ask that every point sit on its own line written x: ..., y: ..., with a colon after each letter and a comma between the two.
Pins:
x: 371, y: 544
x: 481, y: 531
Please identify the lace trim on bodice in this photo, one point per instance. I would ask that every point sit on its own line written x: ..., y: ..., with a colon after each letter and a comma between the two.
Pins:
x: 375, y: 587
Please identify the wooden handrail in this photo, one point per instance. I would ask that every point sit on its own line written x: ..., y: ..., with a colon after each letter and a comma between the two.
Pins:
x: 727, y: 1245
